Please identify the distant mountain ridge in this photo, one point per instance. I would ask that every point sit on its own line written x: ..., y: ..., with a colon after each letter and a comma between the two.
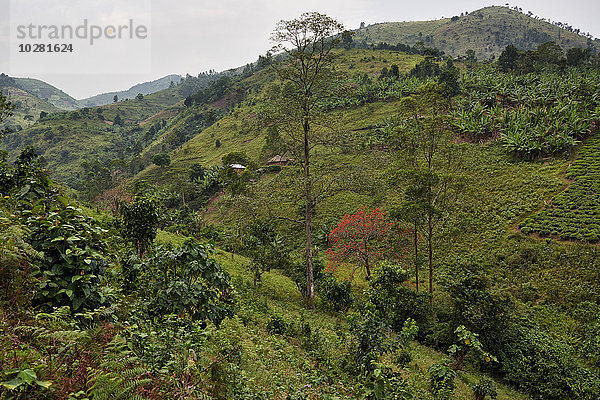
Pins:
x: 486, y: 31
x: 63, y: 101
x: 143, y: 88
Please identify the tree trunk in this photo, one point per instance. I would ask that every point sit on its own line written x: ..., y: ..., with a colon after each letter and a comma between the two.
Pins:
x: 310, y: 284
x: 416, y: 256
x: 430, y: 245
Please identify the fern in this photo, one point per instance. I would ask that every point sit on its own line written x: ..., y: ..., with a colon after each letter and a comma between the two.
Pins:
x: 43, y: 333
x: 117, y: 377
x: 38, y: 332
x: 58, y: 325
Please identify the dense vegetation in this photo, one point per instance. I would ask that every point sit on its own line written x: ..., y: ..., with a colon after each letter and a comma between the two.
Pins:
x: 533, y: 114
x: 420, y: 171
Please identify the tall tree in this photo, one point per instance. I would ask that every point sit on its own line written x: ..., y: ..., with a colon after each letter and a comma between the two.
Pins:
x: 577, y: 56
x: 347, y: 39
x: 549, y: 53
x: 430, y: 165
x: 161, y: 159
x: 307, y: 43
x: 412, y: 210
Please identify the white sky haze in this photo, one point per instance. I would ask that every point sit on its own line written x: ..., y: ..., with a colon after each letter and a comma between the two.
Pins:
x: 191, y: 36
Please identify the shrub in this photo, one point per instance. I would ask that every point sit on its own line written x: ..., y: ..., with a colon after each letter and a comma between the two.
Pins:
x: 474, y: 304
x: 373, y: 336
x: 17, y: 286
x: 468, y: 342
x: 23, y: 383
x: 485, y: 387
x: 395, y: 300
x: 72, y: 264
x: 265, y: 248
x: 383, y: 383
x: 186, y: 280
x: 139, y: 221
x: 335, y: 293
x: 538, y: 364
x: 277, y: 325
x: 441, y: 381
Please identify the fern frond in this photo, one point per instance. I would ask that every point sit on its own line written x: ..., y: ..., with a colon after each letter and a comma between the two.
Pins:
x: 118, y: 379
x: 69, y: 335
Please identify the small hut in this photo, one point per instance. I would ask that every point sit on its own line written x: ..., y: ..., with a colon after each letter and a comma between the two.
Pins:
x: 278, y: 160
x: 239, y: 168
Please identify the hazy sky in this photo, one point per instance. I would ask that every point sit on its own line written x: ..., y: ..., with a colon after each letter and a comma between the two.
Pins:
x: 191, y: 36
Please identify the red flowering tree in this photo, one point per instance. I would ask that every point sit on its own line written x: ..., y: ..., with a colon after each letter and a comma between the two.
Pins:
x: 365, y: 238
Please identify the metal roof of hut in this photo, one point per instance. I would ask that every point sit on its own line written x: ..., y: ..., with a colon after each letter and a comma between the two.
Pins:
x: 278, y: 159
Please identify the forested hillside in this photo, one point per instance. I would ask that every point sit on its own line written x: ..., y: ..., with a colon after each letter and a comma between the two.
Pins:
x: 121, y: 136
x: 330, y: 222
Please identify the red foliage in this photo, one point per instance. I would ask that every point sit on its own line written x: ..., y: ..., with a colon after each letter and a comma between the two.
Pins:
x: 366, y: 237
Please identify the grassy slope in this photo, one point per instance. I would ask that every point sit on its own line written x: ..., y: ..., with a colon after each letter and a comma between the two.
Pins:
x: 487, y: 31
x: 30, y: 104
x: 240, y: 130
x: 49, y: 93
x: 269, y: 360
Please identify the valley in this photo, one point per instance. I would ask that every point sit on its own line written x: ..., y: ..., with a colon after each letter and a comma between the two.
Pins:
x: 367, y: 215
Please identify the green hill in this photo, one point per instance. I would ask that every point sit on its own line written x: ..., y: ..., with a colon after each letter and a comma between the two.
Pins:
x: 49, y: 93
x: 152, y: 123
x: 27, y: 107
x: 67, y: 138
x: 486, y: 31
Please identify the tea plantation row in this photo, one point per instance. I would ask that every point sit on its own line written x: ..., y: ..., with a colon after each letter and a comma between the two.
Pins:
x: 574, y: 214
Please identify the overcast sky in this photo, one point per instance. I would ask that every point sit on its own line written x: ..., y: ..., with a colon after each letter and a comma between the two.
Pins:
x: 191, y: 36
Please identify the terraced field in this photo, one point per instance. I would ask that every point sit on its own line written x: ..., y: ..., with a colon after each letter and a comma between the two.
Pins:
x: 574, y: 214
